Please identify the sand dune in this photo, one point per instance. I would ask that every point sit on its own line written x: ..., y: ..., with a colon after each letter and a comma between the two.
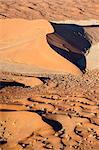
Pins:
x: 83, y: 35
x: 20, y: 125
x: 24, y: 42
x: 40, y: 46
x: 41, y: 105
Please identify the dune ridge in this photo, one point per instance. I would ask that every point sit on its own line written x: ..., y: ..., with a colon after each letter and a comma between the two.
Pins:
x: 36, y: 52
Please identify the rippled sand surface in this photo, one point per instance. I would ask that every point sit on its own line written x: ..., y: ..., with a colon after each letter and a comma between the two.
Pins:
x: 61, y: 112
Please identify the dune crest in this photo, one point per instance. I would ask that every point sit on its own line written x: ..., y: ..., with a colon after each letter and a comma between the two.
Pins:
x: 24, y: 42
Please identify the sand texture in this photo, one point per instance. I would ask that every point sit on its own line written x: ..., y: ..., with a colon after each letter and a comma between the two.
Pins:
x: 49, y: 75
x: 52, y: 115
x: 50, y: 9
x: 27, y: 44
x: 39, y: 46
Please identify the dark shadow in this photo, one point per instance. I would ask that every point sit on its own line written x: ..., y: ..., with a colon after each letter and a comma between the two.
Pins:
x: 40, y: 112
x: 44, y: 79
x: 73, y: 34
x: 78, y: 43
x: 91, y: 26
x: 3, y: 141
x: 6, y: 110
x: 23, y: 145
x: 5, y: 84
x: 55, y: 124
x: 77, y: 59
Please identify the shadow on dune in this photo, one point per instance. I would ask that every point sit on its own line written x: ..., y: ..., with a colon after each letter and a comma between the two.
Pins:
x: 70, y: 41
x: 11, y: 84
x: 55, y: 124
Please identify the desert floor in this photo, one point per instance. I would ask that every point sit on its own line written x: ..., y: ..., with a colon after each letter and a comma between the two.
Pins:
x: 60, y: 112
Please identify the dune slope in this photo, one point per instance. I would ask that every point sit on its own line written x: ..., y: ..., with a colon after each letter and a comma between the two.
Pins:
x: 24, y: 42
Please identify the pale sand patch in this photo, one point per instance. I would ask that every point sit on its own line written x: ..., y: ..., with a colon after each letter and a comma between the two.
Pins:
x: 28, y: 81
x: 93, y: 57
x: 79, y: 22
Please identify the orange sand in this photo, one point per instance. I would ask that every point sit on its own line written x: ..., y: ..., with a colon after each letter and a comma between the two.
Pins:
x: 24, y: 42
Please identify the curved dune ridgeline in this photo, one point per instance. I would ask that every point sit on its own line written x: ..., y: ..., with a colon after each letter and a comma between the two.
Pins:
x: 24, y: 42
